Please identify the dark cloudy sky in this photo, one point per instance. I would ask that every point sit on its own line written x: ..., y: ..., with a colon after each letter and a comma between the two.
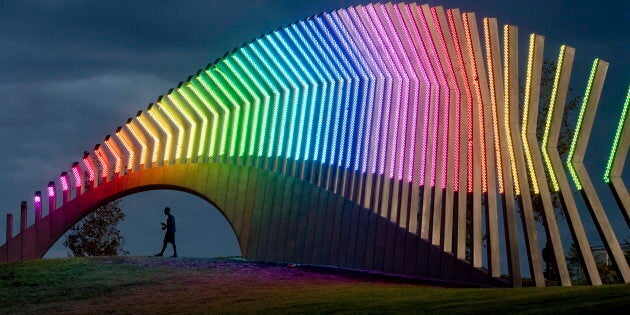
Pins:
x: 72, y: 71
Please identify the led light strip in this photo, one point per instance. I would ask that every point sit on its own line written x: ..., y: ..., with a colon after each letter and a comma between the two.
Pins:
x: 103, y: 160
x: 251, y: 109
x: 260, y: 90
x: 506, y: 104
x: 65, y: 182
x: 76, y: 173
x: 526, y: 98
x: 469, y: 106
x: 262, y: 52
x: 200, y: 93
x: 221, y: 79
x: 185, y: 112
x: 89, y: 166
x: 332, y: 124
x: 160, y: 121
x: 578, y: 126
x: 482, y: 142
x: 376, y: 160
x: 296, y: 126
x: 393, y: 120
x: 351, y: 102
x: 493, y: 103
x: 442, y: 108
x: 150, y: 129
x: 552, y: 99
x: 615, y: 146
x: 141, y: 139
x: 115, y: 151
x: 433, y: 88
x: 298, y: 40
x: 303, y: 31
x: 124, y: 139
x: 249, y: 52
x: 185, y: 92
x: 51, y: 190
x: 409, y: 78
x: 250, y: 124
x: 223, y: 117
x: 237, y: 98
x: 451, y: 78
x: 165, y: 106
x: 374, y: 109
x: 416, y: 93
x: 361, y: 93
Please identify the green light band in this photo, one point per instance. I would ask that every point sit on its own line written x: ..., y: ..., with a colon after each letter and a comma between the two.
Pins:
x: 615, y: 146
x: 578, y: 127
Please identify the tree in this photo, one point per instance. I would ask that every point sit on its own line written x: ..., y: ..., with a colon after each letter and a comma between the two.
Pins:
x: 608, y: 273
x: 575, y: 265
x: 98, y: 234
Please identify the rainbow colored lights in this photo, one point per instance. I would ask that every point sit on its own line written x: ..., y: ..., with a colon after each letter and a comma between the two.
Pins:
x: 374, y: 89
x: 390, y: 108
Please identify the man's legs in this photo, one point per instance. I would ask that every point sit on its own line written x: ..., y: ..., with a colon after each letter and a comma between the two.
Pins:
x: 163, y: 249
x: 174, y: 250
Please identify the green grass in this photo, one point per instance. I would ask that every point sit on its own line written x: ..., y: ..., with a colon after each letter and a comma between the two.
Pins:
x: 154, y: 285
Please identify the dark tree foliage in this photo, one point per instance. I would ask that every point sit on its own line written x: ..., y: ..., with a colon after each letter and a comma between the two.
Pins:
x: 98, y: 234
x: 608, y: 273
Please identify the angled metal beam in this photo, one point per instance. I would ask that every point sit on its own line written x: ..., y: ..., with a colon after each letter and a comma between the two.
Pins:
x: 538, y: 178
x: 492, y: 164
x: 511, y: 94
x: 466, y: 178
x: 427, y: 193
x: 617, y: 159
x: 453, y: 182
x: 505, y: 180
x: 580, y: 174
x: 493, y: 65
x: 554, y: 164
x: 443, y: 132
x: 480, y: 172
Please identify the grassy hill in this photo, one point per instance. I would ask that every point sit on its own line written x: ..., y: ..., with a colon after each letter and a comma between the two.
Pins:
x: 185, y: 285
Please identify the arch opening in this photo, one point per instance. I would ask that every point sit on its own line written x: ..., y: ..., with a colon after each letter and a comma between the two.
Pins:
x: 202, y: 227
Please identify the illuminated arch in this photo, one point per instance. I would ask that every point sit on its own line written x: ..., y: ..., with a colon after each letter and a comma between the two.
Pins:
x: 395, y: 117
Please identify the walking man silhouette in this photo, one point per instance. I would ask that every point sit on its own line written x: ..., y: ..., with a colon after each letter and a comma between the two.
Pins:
x: 169, y: 237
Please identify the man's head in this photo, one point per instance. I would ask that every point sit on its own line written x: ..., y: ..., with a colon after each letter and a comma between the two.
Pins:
x: 167, y: 210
